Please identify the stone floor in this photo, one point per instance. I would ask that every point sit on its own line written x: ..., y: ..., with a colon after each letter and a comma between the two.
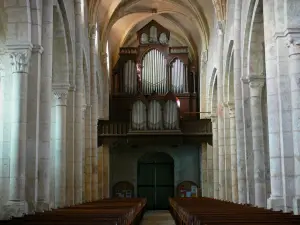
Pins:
x: 162, y: 217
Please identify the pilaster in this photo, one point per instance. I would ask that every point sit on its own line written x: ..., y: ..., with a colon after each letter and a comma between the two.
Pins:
x: 241, y: 161
x: 20, y: 61
x: 45, y: 105
x: 214, y: 121
x: 256, y: 83
x: 294, y: 74
x: 234, y: 177
x: 60, y: 92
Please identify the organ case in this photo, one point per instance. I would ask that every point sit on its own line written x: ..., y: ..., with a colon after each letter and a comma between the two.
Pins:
x: 154, y: 85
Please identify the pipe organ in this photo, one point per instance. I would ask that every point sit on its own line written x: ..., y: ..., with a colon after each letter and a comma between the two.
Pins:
x: 151, y: 79
x: 154, y: 73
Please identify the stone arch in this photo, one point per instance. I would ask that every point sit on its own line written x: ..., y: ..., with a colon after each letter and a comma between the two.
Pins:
x: 214, y: 97
x: 255, y: 50
x: 60, y: 50
x: 211, y: 89
x: 228, y: 76
x: 86, y: 80
x: 71, y: 55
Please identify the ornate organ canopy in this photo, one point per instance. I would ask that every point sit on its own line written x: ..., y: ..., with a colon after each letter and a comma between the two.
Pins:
x: 155, y: 80
x: 154, y: 66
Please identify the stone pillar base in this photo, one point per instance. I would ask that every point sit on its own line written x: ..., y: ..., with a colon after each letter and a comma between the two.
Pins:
x: 276, y: 204
x: 42, y: 206
x: 14, y: 209
x: 296, y: 205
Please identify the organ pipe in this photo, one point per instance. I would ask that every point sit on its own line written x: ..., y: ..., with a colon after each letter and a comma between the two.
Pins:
x: 178, y: 76
x: 154, y: 116
x: 154, y: 73
x: 139, y: 116
x: 129, y: 77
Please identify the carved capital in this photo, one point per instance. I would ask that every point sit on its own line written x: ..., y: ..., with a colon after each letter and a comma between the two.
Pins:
x: 256, y: 82
x: 72, y: 88
x: 231, y: 107
x: 293, y: 43
x: 220, y: 28
x: 213, y: 118
x: 61, y: 97
x: 83, y: 109
x: 204, y: 56
x: 20, y: 60
x: 220, y: 9
x: 244, y: 80
x: 92, y: 31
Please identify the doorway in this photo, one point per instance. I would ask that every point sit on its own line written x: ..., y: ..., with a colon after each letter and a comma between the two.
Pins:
x: 156, y: 179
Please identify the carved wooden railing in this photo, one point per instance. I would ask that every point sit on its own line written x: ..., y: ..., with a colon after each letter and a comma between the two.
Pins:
x: 187, y: 127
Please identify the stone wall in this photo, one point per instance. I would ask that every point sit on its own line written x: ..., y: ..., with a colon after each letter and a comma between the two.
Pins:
x: 124, y: 161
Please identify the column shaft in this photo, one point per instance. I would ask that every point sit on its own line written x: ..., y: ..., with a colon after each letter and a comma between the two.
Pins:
x: 210, y: 175
x: 227, y: 152
x: 44, y: 155
x: 215, y: 156
x: 256, y: 84
x: 204, y: 170
x: 70, y: 145
x: 241, y: 163
x: 79, y: 98
x: 60, y: 144
x: 88, y: 155
x: 234, y: 180
x: 94, y: 100
x: 275, y: 201
x: 17, y: 204
x: 222, y: 191
x: 294, y: 73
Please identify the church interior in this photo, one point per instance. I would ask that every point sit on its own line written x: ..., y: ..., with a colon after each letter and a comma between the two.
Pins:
x: 152, y: 99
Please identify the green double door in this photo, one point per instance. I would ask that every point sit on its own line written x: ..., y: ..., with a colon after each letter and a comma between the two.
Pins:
x: 156, y: 183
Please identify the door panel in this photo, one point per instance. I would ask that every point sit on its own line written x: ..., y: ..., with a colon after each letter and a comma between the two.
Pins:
x: 162, y: 197
x: 156, y: 183
x: 148, y: 192
x: 146, y: 174
x: 164, y: 174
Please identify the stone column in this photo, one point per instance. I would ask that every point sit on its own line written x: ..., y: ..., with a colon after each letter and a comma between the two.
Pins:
x: 44, y: 155
x: 61, y: 93
x: 17, y: 204
x: 70, y: 145
x: 84, y: 199
x: 234, y: 180
x: 94, y: 102
x: 276, y: 201
x: 215, y: 156
x: 227, y: 153
x: 79, y: 102
x: 210, y: 175
x: 100, y: 172
x: 220, y: 113
x: 294, y: 73
x: 88, y: 155
x: 106, y: 172
x: 241, y: 163
x: 256, y: 84
x: 204, y: 170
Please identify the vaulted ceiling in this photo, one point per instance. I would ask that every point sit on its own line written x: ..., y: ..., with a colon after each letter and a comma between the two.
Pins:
x: 189, y: 21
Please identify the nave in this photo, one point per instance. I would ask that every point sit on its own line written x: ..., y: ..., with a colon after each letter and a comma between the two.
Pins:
x: 183, y: 211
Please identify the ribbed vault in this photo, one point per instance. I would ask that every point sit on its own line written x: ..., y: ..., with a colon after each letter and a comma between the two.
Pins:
x: 189, y: 21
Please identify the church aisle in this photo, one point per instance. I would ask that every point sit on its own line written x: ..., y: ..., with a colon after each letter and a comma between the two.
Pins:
x: 162, y: 217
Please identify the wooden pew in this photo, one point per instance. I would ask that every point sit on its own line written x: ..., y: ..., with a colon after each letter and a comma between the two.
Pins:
x: 103, y: 212
x: 196, y: 211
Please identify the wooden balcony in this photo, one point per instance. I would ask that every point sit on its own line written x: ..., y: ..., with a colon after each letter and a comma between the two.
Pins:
x: 190, y: 132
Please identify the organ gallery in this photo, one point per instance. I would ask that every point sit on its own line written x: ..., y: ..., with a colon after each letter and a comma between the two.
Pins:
x: 154, y: 84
